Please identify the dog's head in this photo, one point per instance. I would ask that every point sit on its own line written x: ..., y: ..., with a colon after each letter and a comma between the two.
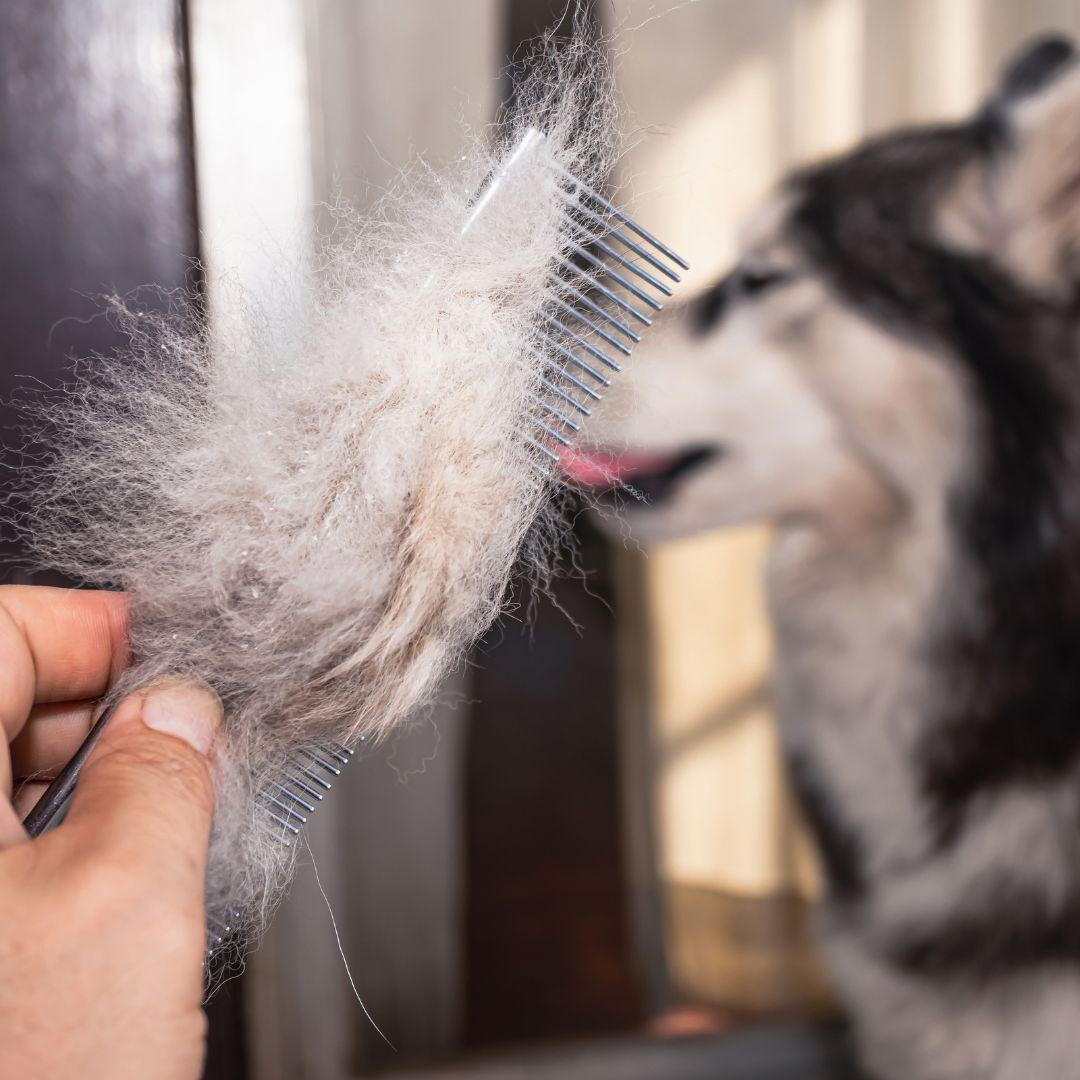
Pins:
x: 886, y: 308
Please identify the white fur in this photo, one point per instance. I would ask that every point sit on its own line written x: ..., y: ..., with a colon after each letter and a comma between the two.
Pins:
x: 317, y: 511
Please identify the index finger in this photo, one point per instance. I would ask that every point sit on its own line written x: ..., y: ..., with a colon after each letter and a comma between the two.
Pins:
x: 57, y: 645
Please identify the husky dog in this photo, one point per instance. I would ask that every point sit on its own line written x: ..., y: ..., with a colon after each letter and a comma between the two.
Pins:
x: 890, y: 374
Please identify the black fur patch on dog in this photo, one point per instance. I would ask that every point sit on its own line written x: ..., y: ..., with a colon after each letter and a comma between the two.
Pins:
x: 1008, y: 639
x: 709, y: 309
x: 979, y: 943
x: 1037, y: 66
x: 840, y: 848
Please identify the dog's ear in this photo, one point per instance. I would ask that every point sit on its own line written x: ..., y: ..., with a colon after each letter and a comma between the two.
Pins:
x: 1035, y: 67
x: 1033, y: 126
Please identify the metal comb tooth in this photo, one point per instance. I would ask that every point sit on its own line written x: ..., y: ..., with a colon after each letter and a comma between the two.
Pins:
x: 622, y: 238
x: 595, y: 308
x: 587, y: 192
x: 633, y: 268
x: 287, y: 810
x: 283, y: 822
x: 291, y: 795
x: 314, y: 777
x: 218, y: 931
x: 561, y: 439
x: 279, y: 801
x: 594, y: 284
x: 606, y: 280
x: 562, y: 350
x: 592, y: 349
x: 593, y: 328
x: 563, y: 396
x: 618, y: 278
x: 554, y: 369
x: 545, y: 450
x: 565, y: 421
x: 284, y: 814
x: 331, y: 769
x: 307, y: 789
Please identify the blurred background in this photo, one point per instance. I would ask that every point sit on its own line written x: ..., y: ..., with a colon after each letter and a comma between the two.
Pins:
x: 583, y: 862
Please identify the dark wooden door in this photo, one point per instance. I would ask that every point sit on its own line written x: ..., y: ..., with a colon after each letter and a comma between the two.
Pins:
x: 547, y: 921
x: 97, y: 195
x: 96, y: 176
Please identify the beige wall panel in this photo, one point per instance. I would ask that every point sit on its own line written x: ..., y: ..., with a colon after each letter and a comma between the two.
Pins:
x: 704, y: 89
x: 721, y: 131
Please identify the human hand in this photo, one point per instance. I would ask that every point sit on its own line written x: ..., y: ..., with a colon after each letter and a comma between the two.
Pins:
x: 102, y: 936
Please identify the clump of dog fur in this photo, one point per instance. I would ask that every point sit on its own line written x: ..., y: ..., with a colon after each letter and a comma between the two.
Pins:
x: 317, y: 508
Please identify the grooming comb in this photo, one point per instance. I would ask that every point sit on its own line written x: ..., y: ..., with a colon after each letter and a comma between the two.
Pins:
x: 285, y: 803
x: 604, y: 289
x: 610, y: 278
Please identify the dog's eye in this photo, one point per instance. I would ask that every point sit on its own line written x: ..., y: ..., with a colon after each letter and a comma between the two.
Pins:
x: 756, y: 280
x: 741, y: 282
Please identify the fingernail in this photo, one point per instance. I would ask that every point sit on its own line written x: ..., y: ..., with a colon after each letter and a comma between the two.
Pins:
x: 186, y: 710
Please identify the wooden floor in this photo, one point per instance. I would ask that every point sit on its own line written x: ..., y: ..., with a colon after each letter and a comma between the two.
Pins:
x: 765, y: 1053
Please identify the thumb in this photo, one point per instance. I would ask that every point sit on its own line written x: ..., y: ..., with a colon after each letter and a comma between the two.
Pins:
x: 145, y: 796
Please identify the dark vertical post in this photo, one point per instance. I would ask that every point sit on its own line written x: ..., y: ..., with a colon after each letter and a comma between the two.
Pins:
x: 546, y: 921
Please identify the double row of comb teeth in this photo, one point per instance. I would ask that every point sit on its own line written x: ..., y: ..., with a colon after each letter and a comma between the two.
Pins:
x: 308, y: 774
x: 602, y: 297
x: 219, y: 929
x: 284, y: 803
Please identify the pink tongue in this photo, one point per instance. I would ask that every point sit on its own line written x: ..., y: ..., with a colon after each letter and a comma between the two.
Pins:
x: 602, y: 468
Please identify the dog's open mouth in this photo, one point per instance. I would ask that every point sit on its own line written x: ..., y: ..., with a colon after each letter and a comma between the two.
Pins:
x: 652, y: 475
